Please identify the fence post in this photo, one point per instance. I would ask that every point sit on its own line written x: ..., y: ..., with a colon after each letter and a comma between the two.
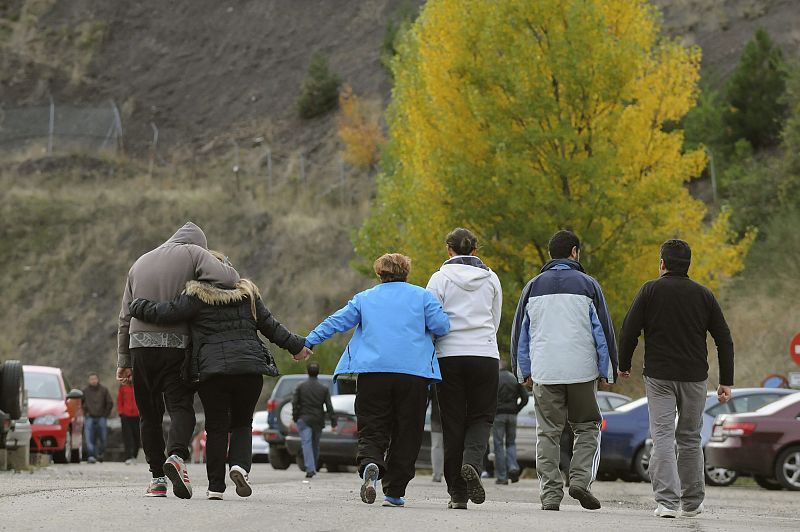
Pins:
x: 236, y: 166
x: 153, y: 149
x: 713, y: 171
x: 52, y: 126
x: 269, y: 170
x: 118, y: 124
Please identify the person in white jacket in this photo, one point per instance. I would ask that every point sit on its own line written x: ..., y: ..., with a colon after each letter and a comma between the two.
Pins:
x: 471, y: 296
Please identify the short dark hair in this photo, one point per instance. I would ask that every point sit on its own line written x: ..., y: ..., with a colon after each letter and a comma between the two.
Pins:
x: 313, y: 369
x: 462, y: 241
x: 677, y: 255
x: 561, y: 244
x: 93, y: 374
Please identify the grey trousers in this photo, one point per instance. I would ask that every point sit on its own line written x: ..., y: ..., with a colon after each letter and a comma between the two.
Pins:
x: 557, y: 404
x: 678, y: 481
x: 504, y: 436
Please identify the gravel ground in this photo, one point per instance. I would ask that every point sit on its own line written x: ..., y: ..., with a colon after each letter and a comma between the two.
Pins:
x: 109, y: 497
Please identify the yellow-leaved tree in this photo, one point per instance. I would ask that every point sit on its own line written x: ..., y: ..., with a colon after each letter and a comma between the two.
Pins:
x: 359, y: 130
x: 522, y: 117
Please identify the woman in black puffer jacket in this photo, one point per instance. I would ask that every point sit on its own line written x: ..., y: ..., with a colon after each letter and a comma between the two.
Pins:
x: 228, y: 361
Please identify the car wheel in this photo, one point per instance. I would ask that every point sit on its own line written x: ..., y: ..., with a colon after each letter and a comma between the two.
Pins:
x: 279, y: 458
x: 719, y: 476
x: 12, y: 388
x: 641, y: 464
x: 63, y: 456
x: 300, y: 461
x: 767, y: 483
x: 787, y: 469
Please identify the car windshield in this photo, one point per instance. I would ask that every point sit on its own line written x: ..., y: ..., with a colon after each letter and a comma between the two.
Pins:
x: 632, y: 405
x: 777, y: 406
x: 43, y: 386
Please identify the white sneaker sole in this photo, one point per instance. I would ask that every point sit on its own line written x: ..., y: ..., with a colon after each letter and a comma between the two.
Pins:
x: 243, y: 488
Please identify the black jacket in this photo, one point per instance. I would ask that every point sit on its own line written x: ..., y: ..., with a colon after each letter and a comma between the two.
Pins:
x: 308, y: 400
x: 675, y: 313
x: 97, y: 401
x: 224, y: 331
x: 511, y: 395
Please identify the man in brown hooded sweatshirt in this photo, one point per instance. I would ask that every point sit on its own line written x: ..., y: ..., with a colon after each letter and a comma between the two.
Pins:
x: 152, y: 355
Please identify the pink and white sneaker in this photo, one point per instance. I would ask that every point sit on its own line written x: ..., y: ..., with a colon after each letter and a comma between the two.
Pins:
x: 176, y: 472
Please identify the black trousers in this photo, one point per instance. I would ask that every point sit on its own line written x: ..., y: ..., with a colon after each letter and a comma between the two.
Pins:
x: 390, y: 408
x: 130, y: 435
x: 157, y: 384
x: 468, y: 401
x: 229, y: 402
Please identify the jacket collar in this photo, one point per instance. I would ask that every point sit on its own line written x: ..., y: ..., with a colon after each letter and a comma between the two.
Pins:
x: 213, y: 295
x: 468, y: 260
x: 675, y: 274
x: 563, y: 264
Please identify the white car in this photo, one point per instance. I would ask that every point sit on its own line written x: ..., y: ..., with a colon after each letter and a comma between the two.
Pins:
x: 260, y: 445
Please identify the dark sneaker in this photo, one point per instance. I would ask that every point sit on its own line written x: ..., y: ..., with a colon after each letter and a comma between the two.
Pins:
x: 310, y: 474
x: 584, y: 497
x: 501, y: 482
x: 176, y: 472
x: 157, y: 488
x: 370, y: 477
x: 475, y: 490
x: 91, y: 460
x: 394, y: 502
x: 513, y: 475
x: 453, y: 505
x: 552, y: 507
x: 239, y: 477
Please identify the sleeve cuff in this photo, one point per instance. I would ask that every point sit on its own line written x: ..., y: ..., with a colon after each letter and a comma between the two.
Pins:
x: 124, y: 360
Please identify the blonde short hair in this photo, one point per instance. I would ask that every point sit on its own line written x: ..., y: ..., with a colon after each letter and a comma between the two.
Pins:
x: 392, y: 267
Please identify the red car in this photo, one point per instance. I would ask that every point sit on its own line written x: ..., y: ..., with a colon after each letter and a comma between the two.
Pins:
x: 765, y: 444
x: 55, y: 414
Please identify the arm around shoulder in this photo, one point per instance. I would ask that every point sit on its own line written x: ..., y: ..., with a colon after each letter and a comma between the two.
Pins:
x: 436, y: 319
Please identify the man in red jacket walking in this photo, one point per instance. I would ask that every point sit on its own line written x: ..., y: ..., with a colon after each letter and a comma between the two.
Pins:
x: 129, y: 417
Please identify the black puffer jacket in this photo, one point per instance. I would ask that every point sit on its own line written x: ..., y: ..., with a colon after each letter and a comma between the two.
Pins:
x: 224, y: 329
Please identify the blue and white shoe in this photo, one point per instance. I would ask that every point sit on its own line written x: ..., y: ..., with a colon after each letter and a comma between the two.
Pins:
x: 394, y: 502
x: 368, y: 487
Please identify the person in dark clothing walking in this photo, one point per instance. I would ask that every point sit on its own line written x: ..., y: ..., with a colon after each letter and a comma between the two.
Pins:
x: 307, y: 402
x: 153, y: 356
x: 511, y: 398
x: 676, y: 313
x: 97, y: 406
x: 129, y: 419
x: 228, y: 361
x: 392, y: 353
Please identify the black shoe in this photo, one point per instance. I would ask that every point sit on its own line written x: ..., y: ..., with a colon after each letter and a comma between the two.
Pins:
x: 513, y: 476
x: 553, y: 507
x: 501, y: 482
x: 475, y: 490
x: 453, y: 505
x: 309, y: 474
x: 584, y: 497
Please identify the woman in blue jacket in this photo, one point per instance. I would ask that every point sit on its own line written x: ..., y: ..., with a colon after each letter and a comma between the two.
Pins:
x: 393, y: 355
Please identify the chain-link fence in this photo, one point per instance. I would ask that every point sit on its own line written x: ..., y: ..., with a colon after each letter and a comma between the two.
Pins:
x: 58, y: 128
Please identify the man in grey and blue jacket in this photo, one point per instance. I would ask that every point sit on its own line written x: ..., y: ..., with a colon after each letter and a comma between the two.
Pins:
x: 562, y: 342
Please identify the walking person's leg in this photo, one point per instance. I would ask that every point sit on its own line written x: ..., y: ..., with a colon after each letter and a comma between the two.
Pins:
x: 511, y: 448
x: 437, y: 455
x: 89, y: 433
x: 480, y: 376
x: 499, y: 437
x: 126, y: 426
x: 316, y: 434
x: 453, y: 406
x: 245, y: 391
x: 551, y: 415
x: 102, y: 437
x: 307, y: 446
x: 374, y: 413
x: 216, y: 401
x: 584, y: 418
x: 663, y: 469
x: 146, y: 367
x: 179, y: 402
x: 137, y: 437
x: 691, y: 402
x: 410, y: 400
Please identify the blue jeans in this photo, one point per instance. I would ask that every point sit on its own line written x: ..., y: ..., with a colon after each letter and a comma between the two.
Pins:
x: 504, y: 432
x: 95, y: 429
x: 309, y: 438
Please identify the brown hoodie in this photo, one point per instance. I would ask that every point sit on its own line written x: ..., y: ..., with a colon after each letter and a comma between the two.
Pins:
x: 160, y: 275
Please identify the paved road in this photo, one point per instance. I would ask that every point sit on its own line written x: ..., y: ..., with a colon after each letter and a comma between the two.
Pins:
x: 109, y: 497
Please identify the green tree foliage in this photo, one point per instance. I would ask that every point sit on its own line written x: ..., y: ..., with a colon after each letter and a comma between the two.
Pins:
x: 396, y: 28
x: 756, y: 109
x: 320, y: 91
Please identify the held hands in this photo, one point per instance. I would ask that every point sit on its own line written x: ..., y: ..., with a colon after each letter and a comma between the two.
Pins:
x: 723, y: 393
x: 124, y: 375
x: 624, y: 374
x: 304, y: 354
x: 528, y: 384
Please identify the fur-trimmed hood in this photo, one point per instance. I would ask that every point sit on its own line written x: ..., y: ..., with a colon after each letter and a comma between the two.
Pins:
x: 214, y: 295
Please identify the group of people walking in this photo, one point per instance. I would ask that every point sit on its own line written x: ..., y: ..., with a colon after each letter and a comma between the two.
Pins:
x: 410, y: 344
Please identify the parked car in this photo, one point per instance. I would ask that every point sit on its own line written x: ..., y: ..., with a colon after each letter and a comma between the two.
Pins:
x: 260, y: 445
x: 56, y: 415
x: 526, y: 425
x: 338, y: 447
x: 624, y: 449
x: 765, y: 444
x: 274, y: 434
x: 12, y: 398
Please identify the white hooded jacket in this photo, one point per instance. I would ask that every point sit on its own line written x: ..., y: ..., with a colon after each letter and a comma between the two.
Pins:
x: 472, y: 297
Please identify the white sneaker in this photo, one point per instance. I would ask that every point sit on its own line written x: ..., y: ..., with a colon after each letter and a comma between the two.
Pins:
x: 693, y: 513
x: 239, y: 477
x: 663, y: 511
x: 214, y: 495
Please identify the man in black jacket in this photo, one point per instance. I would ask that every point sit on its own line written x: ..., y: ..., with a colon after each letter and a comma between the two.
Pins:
x: 97, y: 406
x: 676, y: 313
x: 511, y: 398
x: 309, y: 398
